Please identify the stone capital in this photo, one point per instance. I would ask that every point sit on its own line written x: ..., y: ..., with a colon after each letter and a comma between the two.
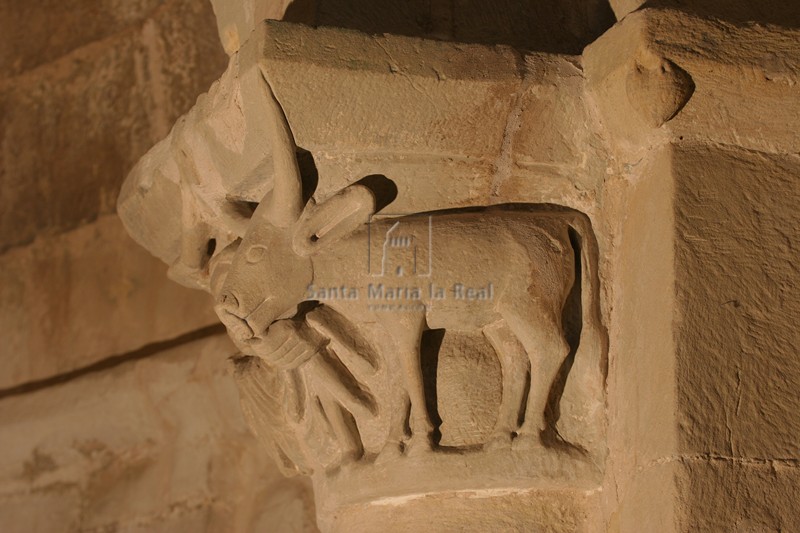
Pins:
x: 426, y: 253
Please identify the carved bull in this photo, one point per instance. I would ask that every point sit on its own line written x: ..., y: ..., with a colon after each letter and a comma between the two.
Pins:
x: 525, y: 258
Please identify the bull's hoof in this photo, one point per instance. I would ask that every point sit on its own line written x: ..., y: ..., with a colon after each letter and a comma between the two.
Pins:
x: 498, y: 441
x: 391, y: 452
x: 526, y: 441
x: 418, y: 445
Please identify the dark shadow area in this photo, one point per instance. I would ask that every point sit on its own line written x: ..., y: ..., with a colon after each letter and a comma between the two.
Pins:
x: 523, y: 406
x: 308, y: 173
x: 508, y: 207
x: 305, y: 307
x: 429, y: 360
x: 384, y: 189
x: 302, y: 12
x: 780, y: 13
x: 558, y: 26
x: 241, y: 208
x: 353, y: 433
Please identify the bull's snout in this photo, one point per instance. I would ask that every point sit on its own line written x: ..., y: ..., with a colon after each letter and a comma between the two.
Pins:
x: 229, y: 313
x: 228, y: 305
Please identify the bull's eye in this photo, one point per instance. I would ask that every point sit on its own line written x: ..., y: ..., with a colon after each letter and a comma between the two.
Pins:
x: 256, y: 253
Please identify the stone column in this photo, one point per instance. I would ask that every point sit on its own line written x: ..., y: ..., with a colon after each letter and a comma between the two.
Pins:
x: 467, y: 281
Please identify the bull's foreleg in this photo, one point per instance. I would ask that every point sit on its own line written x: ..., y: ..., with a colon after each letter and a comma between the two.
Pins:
x: 406, y: 330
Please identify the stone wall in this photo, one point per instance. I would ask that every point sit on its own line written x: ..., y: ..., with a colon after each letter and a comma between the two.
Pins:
x: 156, y: 444
x: 75, y: 115
x: 117, y: 406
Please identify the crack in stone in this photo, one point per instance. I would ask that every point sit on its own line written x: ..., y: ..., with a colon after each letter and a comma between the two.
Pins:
x: 710, y: 457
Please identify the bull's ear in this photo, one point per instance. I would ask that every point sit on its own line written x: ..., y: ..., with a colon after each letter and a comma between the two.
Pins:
x: 335, y: 218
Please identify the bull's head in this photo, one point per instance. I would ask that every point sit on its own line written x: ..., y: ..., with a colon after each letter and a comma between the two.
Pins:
x: 265, y: 276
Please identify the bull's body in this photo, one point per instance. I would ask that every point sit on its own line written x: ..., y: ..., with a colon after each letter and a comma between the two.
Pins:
x: 524, y: 260
x: 519, y: 266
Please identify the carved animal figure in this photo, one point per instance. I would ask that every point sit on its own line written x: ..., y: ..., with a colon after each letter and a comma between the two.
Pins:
x: 504, y: 271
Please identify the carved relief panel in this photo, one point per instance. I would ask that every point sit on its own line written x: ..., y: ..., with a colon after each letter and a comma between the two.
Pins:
x: 409, y: 319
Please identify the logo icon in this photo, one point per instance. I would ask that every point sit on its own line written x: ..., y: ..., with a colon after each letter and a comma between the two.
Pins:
x: 401, y: 247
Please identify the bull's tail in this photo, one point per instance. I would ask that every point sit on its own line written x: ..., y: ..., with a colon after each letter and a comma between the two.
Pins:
x: 586, y: 250
x: 583, y: 371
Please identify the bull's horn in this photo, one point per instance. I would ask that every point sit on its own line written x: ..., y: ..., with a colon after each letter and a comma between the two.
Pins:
x: 286, y: 201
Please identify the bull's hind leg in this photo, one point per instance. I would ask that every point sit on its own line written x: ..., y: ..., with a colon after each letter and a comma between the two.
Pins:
x: 541, y: 334
x: 514, y: 367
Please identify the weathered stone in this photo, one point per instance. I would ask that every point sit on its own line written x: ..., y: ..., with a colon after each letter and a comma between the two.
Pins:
x: 439, y: 117
x: 705, y: 193
x: 736, y: 335
x: 157, y: 444
x: 72, y: 128
x: 658, y: 89
x: 59, y: 294
x: 723, y: 108
x: 474, y: 511
x: 35, y: 34
x: 729, y: 494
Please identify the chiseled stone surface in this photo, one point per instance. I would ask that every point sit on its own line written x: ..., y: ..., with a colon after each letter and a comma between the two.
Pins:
x: 157, y: 444
x: 726, y: 494
x: 707, y: 355
x: 60, y: 296
x: 477, y: 511
x: 737, y: 307
x: 449, y: 133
